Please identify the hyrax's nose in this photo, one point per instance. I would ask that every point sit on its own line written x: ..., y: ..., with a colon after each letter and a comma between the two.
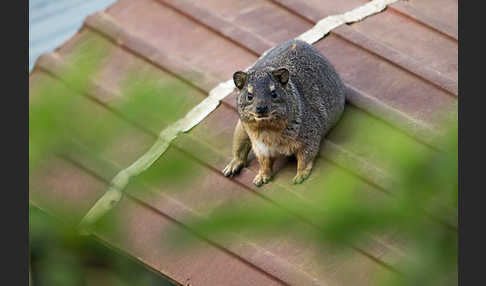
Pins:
x: 262, y: 109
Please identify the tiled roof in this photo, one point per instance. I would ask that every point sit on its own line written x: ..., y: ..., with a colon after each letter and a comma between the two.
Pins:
x: 399, y: 66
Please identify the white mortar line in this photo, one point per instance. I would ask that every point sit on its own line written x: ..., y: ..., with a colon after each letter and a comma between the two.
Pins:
x: 205, y: 107
x: 324, y: 26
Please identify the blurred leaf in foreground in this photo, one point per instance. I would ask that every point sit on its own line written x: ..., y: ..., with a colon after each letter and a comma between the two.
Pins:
x: 64, y: 119
x: 57, y: 112
x: 60, y: 256
x: 421, y: 207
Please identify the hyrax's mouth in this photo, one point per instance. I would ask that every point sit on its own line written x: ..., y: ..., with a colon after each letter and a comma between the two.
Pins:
x: 259, y: 117
x: 262, y: 117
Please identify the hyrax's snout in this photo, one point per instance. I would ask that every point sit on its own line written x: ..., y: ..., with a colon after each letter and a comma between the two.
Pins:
x: 262, y: 109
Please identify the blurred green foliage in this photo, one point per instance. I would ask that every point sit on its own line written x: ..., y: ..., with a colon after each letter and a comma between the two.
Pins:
x: 67, y: 122
x: 60, y: 257
x: 151, y: 102
x: 421, y: 210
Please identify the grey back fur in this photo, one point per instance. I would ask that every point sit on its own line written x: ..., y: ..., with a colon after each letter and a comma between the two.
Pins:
x: 316, y: 94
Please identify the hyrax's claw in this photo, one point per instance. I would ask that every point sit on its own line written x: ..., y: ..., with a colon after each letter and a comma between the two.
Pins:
x: 261, y: 179
x: 233, y: 168
x: 301, y: 176
x: 298, y: 179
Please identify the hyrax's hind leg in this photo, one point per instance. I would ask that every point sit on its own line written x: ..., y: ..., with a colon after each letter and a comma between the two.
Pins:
x: 305, y: 160
x: 241, y: 148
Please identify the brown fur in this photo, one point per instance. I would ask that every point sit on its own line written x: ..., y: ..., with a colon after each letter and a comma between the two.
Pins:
x: 241, y: 148
x: 270, y: 134
x: 265, y: 173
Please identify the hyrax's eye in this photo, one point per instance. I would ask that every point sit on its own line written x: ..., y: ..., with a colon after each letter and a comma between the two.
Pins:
x: 274, y: 94
x: 249, y: 96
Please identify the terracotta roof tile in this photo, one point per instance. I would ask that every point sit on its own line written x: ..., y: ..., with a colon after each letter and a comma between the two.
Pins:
x: 400, y: 66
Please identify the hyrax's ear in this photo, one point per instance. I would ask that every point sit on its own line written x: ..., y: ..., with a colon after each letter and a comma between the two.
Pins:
x: 239, y: 78
x: 282, y: 75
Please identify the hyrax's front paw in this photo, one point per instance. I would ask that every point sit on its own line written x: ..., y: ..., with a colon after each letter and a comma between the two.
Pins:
x: 261, y: 179
x: 233, y: 167
x: 301, y: 176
